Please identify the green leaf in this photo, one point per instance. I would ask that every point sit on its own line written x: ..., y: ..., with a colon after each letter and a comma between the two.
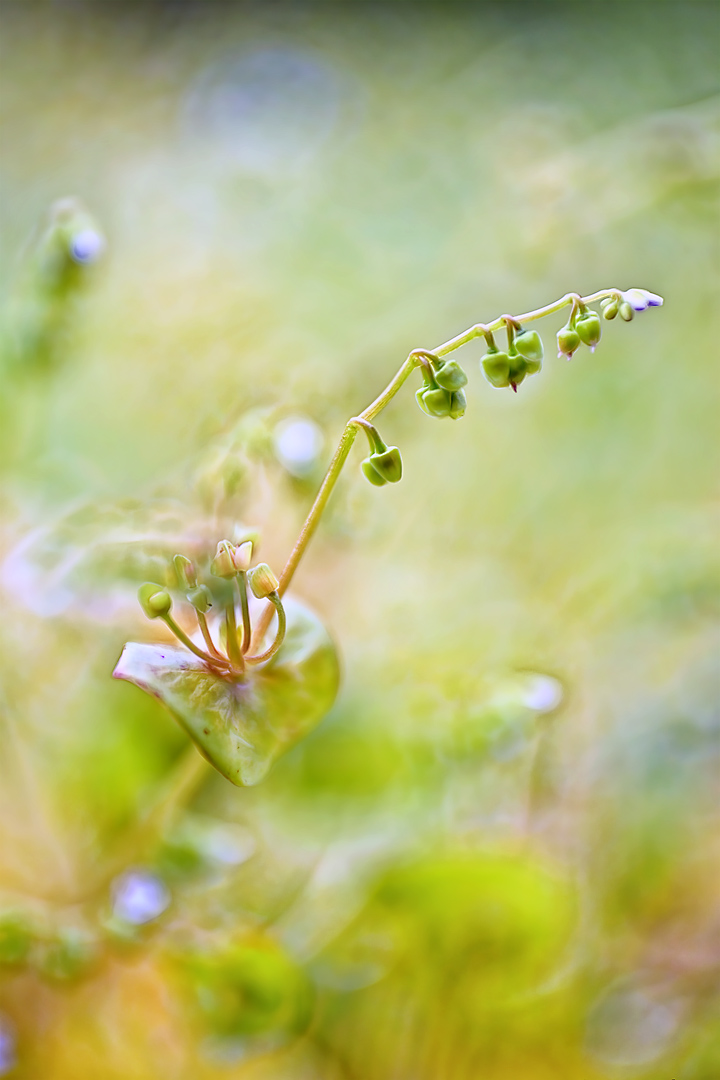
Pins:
x: 242, y: 727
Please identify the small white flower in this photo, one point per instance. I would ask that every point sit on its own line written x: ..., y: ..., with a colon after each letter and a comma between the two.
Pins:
x: 640, y: 299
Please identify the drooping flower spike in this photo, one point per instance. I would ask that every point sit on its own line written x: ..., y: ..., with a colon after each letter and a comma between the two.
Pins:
x: 242, y: 708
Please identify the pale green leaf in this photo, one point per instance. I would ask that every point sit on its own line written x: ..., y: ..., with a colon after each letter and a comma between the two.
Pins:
x: 241, y: 727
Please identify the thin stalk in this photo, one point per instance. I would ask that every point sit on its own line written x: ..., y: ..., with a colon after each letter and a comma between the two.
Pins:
x: 245, y: 609
x: 205, y: 631
x: 279, y: 636
x: 189, y: 644
x: 377, y: 446
x: 233, y: 648
x: 401, y: 376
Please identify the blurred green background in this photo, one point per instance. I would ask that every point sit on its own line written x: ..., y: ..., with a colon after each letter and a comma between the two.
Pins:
x: 498, y: 855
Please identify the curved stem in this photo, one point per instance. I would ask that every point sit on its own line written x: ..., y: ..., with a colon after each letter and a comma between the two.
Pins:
x: 280, y: 635
x: 189, y: 644
x: 425, y: 363
x: 347, y: 438
x: 482, y: 329
x: 377, y: 446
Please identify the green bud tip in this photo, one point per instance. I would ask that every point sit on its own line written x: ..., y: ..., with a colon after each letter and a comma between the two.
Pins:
x: 242, y: 556
x: 200, y: 597
x: 262, y: 581
x: 154, y: 600
x: 185, y: 572
x: 610, y: 306
x: 529, y: 344
x: 568, y: 341
x: 627, y: 312
x: 589, y: 328
x: 223, y: 565
x: 450, y: 376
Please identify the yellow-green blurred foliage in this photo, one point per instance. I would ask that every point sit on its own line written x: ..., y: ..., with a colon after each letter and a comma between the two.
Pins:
x: 458, y: 874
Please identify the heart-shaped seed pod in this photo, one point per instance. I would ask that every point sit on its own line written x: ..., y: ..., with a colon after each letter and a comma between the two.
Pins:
x: 371, y: 473
x: 458, y: 404
x: 435, y: 402
x: 518, y: 369
x: 388, y: 463
x: 589, y: 328
x: 451, y: 376
x: 496, y: 368
x: 529, y: 344
x: 568, y: 341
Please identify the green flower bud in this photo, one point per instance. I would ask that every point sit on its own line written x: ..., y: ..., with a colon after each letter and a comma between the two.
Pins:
x: 568, y: 341
x: 223, y: 565
x: 242, y: 556
x: 154, y: 600
x: 372, y: 474
x: 388, y: 464
x: 529, y: 344
x: 185, y: 571
x: 458, y: 404
x: 200, y: 597
x: 518, y: 369
x: 610, y: 306
x: 262, y: 580
x: 496, y: 368
x: 435, y: 402
x: 589, y: 328
x: 451, y: 376
x: 627, y: 312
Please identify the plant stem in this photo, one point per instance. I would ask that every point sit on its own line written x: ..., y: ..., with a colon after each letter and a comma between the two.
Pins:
x: 245, y: 609
x: 233, y: 648
x: 205, y: 631
x: 377, y: 446
x: 189, y: 644
x: 348, y: 436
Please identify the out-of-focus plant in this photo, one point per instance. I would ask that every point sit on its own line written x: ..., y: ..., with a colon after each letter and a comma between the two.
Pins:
x: 56, y: 269
x: 37, y: 323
